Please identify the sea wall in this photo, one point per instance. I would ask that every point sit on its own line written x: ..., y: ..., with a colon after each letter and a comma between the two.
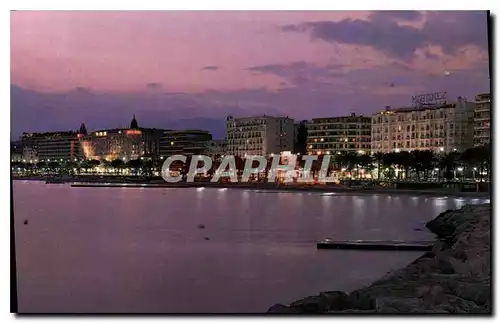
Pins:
x: 455, y: 277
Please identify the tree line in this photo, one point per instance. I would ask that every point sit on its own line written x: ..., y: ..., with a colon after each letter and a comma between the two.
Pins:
x: 414, y: 165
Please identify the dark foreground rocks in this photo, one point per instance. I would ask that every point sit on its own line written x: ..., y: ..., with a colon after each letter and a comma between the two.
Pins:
x: 455, y: 277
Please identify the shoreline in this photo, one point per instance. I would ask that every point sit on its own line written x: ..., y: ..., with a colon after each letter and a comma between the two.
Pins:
x: 325, y: 188
x: 455, y: 277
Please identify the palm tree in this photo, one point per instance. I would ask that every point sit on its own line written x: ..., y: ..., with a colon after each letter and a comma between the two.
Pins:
x: 378, y: 157
x: 117, y: 164
x: 403, y: 160
x: 135, y: 164
x: 423, y: 161
x: 53, y: 166
x: 366, y: 162
x: 93, y: 163
x: 147, y: 168
x: 478, y: 157
x: 388, y: 161
x: 449, y: 162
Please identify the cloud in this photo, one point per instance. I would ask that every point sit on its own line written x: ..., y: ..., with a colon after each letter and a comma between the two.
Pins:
x: 299, y: 72
x: 211, y: 68
x: 450, y: 30
x: 396, y: 15
x: 154, y: 86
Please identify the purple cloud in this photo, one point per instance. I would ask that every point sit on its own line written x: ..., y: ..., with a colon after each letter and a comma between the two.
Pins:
x: 450, y: 30
x: 396, y: 15
x: 211, y: 68
x: 154, y: 86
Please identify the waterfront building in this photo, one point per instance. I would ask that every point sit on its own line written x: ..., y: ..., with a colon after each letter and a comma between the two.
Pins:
x: 16, y: 151
x: 216, y: 148
x: 336, y: 135
x: 259, y: 136
x: 29, y: 155
x: 184, y: 142
x: 441, y: 127
x: 123, y: 143
x: 60, y: 146
x: 482, y: 119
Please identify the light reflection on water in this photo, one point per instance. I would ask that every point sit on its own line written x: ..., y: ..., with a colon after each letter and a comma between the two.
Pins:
x: 141, y: 250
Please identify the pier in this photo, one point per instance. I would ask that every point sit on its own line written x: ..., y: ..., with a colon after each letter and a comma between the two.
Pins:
x: 376, y: 245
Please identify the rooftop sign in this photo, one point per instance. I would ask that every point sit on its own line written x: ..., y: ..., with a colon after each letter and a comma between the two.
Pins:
x: 429, y: 98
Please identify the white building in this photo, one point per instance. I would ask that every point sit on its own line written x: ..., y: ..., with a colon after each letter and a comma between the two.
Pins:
x: 482, y: 119
x: 443, y: 127
x: 339, y: 134
x: 261, y: 135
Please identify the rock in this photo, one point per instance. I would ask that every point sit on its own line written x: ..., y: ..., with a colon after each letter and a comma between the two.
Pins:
x: 201, y: 226
x: 336, y: 300
x: 399, y: 305
x: 354, y: 311
x: 311, y: 305
x: 435, y: 295
x: 444, y: 266
x: 479, y: 293
x: 282, y: 309
x: 207, y: 238
x: 454, y: 304
x: 361, y: 301
x: 422, y: 291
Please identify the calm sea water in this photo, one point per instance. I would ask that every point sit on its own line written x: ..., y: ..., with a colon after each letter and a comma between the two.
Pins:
x: 141, y: 250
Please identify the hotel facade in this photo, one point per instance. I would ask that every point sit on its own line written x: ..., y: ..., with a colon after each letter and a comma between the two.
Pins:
x: 336, y: 135
x: 441, y: 127
x: 125, y: 144
x: 259, y: 136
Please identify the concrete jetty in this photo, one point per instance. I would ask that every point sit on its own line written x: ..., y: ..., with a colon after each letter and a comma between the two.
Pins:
x: 454, y: 277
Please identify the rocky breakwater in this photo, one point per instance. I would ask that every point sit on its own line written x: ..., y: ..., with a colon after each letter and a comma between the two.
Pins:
x: 455, y: 277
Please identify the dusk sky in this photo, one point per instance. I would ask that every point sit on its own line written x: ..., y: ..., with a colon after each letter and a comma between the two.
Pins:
x: 191, y: 69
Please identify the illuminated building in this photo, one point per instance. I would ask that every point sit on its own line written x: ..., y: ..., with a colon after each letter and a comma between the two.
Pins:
x: 184, y: 142
x: 482, y: 119
x: 441, y: 127
x: 339, y: 135
x: 16, y: 151
x: 259, y: 136
x: 60, y: 146
x: 125, y: 144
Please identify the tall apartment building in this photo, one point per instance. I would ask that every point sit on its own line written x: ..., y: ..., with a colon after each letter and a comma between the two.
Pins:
x: 339, y: 134
x: 184, y: 142
x: 60, y: 146
x: 259, y: 136
x: 442, y: 127
x: 482, y: 119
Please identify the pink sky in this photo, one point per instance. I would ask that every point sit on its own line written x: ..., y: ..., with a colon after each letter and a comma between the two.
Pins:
x: 272, y: 58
